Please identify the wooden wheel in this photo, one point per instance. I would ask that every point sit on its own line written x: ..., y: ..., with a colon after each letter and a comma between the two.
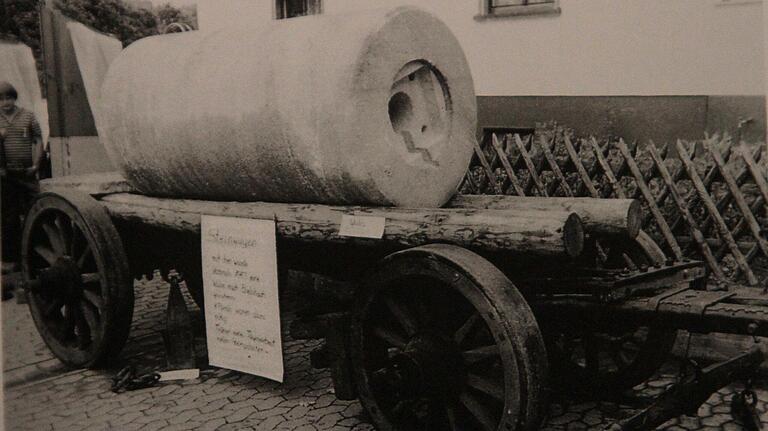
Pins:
x: 80, y: 289
x: 442, y: 340
x: 599, y: 358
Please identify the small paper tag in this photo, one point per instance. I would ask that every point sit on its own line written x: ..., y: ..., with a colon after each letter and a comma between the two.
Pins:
x: 188, y: 374
x: 362, y: 226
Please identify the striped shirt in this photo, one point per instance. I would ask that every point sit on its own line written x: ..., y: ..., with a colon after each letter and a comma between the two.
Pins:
x: 18, y: 132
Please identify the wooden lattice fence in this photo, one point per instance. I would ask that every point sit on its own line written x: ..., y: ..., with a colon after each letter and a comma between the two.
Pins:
x: 705, y: 199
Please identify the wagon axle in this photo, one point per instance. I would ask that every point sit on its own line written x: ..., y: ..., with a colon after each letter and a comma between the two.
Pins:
x: 429, y: 364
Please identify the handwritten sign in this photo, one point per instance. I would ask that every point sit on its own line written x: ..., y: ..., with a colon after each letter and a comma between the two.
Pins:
x: 242, y: 312
x: 362, y: 226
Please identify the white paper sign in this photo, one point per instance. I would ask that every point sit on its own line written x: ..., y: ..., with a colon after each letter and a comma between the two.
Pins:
x: 362, y: 226
x: 242, y: 313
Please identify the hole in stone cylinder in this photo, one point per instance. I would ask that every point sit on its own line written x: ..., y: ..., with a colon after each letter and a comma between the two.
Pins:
x: 400, y: 111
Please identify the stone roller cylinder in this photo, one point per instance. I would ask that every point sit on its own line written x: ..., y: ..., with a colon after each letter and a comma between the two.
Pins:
x: 374, y: 108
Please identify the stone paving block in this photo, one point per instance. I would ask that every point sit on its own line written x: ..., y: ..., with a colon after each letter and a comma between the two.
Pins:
x: 328, y: 421
x: 188, y: 425
x: 349, y: 422
x: 212, y: 424
x: 264, y: 414
x: 715, y: 420
x: 216, y: 414
x: 184, y: 416
x: 213, y: 405
x: 297, y: 412
x: 269, y: 403
x: 272, y: 422
x: 240, y: 414
x: 125, y: 419
x: 352, y: 410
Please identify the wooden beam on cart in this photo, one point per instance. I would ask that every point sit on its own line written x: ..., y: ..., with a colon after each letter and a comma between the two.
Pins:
x: 546, y: 233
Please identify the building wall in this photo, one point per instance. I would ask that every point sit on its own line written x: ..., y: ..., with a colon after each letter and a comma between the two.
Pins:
x: 592, y: 48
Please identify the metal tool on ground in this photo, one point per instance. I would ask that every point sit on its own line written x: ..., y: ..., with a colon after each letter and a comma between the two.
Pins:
x: 178, y: 337
x: 744, y: 408
x: 127, y: 380
x: 687, y: 396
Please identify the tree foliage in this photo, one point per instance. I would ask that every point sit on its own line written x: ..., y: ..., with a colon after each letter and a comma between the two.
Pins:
x: 167, y: 14
x: 111, y: 16
x: 20, y: 20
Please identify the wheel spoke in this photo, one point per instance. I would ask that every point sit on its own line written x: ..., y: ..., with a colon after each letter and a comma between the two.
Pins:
x: 451, y: 415
x: 46, y: 253
x: 65, y: 233
x: 69, y: 321
x: 54, y: 306
x: 480, y: 353
x: 465, y: 328
x: 403, y: 316
x: 94, y: 299
x: 73, y: 238
x: 91, y: 319
x: 486, y: 386
x: 390, y: 337
x: 84, y: 255
x: 91, y: 277
x: 55, y: 239
x: 479, y: 411
x: 83, y: 331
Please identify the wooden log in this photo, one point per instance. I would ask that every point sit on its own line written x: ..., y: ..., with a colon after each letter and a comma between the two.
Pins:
x: 550, y: 233
x: 620, y: 217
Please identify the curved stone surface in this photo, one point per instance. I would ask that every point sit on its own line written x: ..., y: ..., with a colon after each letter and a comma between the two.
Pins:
x: 372, y: 108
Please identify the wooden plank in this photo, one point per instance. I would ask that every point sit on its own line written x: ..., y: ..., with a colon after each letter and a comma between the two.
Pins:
x: 758, y: 174
x: 736, y: 231
x: 554, y: 166
x: 507, y: 166
x: 646, y: 192
x: 741, y: 203
x: 722, y: 229
x: 532, y: 171
x: 93, y: 184
x: 685, y: 213
x: 550, y: 233
x: 487, y: 166
x: 586, y: 180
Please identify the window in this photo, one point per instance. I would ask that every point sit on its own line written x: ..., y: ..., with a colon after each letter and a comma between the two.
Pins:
x: 498, y: 8
x: 293, y: 8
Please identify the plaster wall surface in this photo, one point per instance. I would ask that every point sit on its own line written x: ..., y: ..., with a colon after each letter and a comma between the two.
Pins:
x: 593, y: 47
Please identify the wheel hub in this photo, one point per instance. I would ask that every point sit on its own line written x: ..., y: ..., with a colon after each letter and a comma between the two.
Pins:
x: 62, y: 277
x: 429, y: 365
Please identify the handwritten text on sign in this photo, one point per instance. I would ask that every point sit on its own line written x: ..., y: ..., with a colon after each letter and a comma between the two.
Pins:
x: 242, y: 312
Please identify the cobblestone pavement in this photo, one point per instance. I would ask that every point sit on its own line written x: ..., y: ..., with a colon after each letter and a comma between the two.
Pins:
x: 41, y: 394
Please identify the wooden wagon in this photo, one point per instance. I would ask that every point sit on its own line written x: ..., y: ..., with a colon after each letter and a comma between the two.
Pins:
x: 458, y: 317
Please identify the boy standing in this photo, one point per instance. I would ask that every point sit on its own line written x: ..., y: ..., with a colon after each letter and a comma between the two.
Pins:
x: 21, y: 152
